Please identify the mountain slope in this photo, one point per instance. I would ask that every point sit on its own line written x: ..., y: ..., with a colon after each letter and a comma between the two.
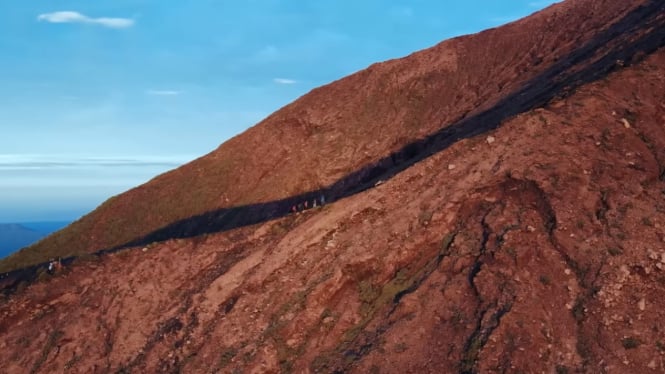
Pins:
x: 537, y: 246
x: 331, y: 131
x: 517, y: 258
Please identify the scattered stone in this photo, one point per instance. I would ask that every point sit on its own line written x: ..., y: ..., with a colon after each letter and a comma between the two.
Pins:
x: 145, y: 249
x: 451, y: 166
x: 652, y: 255
x: 292, y: 342
x: 567, y: 271
x: 490, y: 139
x: 530, y: 228
x: 652, y: 365
x: 625, y: 122
x: 642, y: 304
x: 328, y: 320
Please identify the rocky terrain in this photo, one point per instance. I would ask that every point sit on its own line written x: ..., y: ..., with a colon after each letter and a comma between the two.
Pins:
x: 518, y: 227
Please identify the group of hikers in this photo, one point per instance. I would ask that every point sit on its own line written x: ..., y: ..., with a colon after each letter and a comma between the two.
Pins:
x: 316, y: 202
x: 54, y: 265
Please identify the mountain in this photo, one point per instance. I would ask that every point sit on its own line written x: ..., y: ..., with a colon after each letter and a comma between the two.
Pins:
x: 493, y: 204
x: 332, y: 131
x: 15, y: 236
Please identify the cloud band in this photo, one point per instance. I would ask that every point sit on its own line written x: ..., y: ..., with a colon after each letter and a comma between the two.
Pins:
x: 76, y: 17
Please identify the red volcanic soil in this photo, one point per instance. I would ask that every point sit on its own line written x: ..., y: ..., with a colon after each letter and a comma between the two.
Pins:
x: 535, y: 247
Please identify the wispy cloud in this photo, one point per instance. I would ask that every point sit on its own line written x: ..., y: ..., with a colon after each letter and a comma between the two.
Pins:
x: 76, y: 17
x: 32, y: 162
x: 284, y: 81
x: 163, y: 92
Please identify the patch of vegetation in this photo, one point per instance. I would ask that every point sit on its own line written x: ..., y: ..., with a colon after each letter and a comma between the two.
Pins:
x: 545, y: 280
x: 70, y: 364
x: 561, y: 369
x: 660, y: 345
x: 630, y: 343
x: 578, y: 310
x: 285, y: 354
x: 646, y: 221
x: 51, y: 342
x: 511, y: 252
x: 458, y: 318
x: 579, y: 224
x: 401, y: 347
x: 227, y: 356
x: 375, y: 298
x: 614, y: 251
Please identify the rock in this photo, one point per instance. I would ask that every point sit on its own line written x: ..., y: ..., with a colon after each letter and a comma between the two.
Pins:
x: 328, y: 320
x: 292, y: 342
x: 625, y: 122
x: 490, y: 139
x: 145, y: 249
x: 451, y: 166
x: 652, y: 365
x: 641, y: 304
x: 530, y: 228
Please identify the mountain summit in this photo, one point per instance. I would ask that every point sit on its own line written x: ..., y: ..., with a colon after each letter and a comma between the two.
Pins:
x: 493, y: 203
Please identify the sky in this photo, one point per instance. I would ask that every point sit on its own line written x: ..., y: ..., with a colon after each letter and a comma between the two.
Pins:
x: 101, y: 96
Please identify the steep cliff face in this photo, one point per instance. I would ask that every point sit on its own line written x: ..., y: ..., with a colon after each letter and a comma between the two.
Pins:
x: 535, y: 247
x: 332, y: 131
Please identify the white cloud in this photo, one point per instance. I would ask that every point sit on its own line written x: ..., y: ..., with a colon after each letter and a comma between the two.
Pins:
x: 76, y: 17
x: 284, y: 81
x: 163, y: 92
x: 36, y: 161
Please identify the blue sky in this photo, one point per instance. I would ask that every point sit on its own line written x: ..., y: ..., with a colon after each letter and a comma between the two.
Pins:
x: 100, y: 96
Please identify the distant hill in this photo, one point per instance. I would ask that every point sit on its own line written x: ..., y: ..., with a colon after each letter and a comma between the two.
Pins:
x: 14, y: 236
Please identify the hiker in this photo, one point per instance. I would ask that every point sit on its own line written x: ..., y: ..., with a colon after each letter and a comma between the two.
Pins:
x: 50, y: 267
x: 323, y: 200
x: 314, y: 203
x: 306, y: 202
x: 293, y: 209
x: 300, y: 207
